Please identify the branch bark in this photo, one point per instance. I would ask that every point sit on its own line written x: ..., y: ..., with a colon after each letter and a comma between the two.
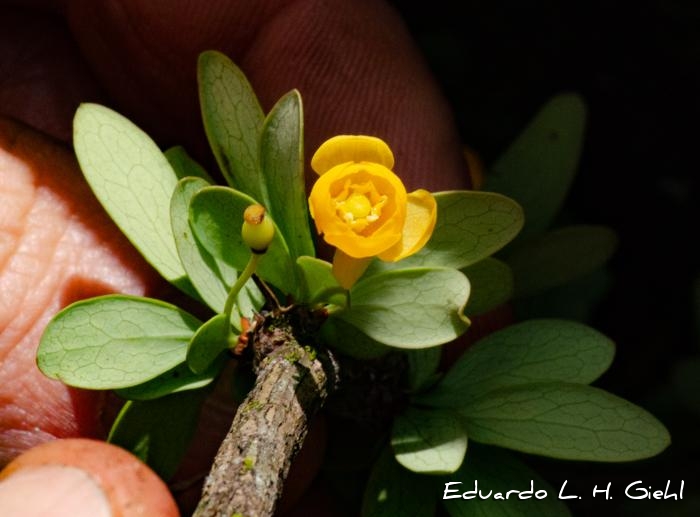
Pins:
x: 292, y: 384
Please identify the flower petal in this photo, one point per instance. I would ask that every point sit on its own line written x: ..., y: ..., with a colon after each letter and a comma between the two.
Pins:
x: 348, y: 270
x: 420, y: 222
x: 351, y: 148
x: 383, y: 233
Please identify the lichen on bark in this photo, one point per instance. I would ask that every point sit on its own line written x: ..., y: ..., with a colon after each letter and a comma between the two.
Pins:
x: 293, y: 381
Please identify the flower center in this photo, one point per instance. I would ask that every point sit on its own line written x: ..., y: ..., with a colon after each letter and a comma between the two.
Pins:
x: 359, y: 205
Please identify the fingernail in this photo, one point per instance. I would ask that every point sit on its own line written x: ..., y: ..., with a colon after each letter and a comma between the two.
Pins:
x: 52, y: 490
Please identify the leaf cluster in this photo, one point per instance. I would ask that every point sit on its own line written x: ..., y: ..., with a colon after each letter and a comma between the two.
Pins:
x: 523, y: 388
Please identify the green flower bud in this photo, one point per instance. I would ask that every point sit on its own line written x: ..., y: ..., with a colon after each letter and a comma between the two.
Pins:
x: 258, y: 230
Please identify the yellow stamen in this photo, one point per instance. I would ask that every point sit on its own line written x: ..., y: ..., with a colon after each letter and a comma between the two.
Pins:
x: 359, y: 205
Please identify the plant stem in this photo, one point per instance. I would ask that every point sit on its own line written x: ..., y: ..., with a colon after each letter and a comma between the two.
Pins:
x: 270, y: 425
x: 240, y: 282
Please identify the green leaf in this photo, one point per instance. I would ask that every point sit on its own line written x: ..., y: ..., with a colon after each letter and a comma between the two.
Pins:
x: 346, y: 339
x: 560, y: 256
x: 158, y: 431
x: 392, y: 491
x: 575, y: 300
x: 564, y: 420
x: 211, y: 278
x: 114, y: 341
x: 422, y: 367
x: 216, y: 217
x: 470, y: 227
x: 232, y: 120
x: 176, y: 380
x: 133, y: 180
x: 207, y: 277
x: 429, y: 441
x: 529, y: 352
x: 282, y: 159
x: 183, y: 164
x: 208, y: 342
x: 538, y: 168
x: 409, y: 308
x: 492, y: 285
x: 319, y: 283
x: 685, y: 379
x: 495, y: 471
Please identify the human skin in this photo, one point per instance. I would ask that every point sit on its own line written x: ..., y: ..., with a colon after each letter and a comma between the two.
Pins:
x: 129, y: 487
x: 353, y: 62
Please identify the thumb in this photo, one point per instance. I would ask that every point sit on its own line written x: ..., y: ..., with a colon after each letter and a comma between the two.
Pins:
x: 353, y: 62
x: 82, y: 478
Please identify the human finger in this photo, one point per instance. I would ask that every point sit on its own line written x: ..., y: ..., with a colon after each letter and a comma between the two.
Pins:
x: 43, y: 78
x: 82, y: 478
x: 57, y: 245
x: 354, y: 62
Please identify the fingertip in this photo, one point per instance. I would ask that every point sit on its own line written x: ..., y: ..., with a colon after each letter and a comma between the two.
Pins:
x: 82, y: 477
x: 60, y: 491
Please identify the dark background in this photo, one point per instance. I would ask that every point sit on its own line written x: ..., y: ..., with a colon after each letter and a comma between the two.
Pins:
x: 637, y: 67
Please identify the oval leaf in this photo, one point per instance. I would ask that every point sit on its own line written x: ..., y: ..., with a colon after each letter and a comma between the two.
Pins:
x: 216, y: 217
x: 320, y: 285
x: 533, y: 351
x: 133, y: 181
x: 232, y: 120
x: 538, y: 168
x: 210, y: 277
x: 567, y: 421
x: 392, y: 491
x: 429, y: 441
x: 576, y: 300
x: 158, y: 431
x: 202, y: 269
x: 348, y: 340
x: 183, y: 164
x: 492, y: 285
x: 179, y: 379
x: 494, y: 471
x: 409, y: 308
x: 470, y: 227
x: 282, y: 161
x: 207, y: 343
x: 423, y: 364
x: 560, y: 256
x: 114, y: 341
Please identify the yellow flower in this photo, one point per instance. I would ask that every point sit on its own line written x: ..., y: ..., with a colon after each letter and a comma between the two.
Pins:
x: 361, y: 207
